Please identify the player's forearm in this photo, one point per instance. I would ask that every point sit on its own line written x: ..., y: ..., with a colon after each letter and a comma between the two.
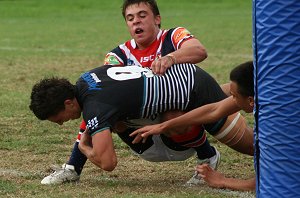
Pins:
x: 191, y: 51
x: 239, y: 184
x: 106, y: 165
x: 87, y: 150
x: 100, y: 161
x: 185, y: 55
x: 201, y: 115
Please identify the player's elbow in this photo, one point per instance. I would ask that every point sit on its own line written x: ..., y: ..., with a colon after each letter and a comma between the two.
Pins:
x: 104, y: 162
x: 198, y: 54
x: 202, y: 52
x: 109, y: 166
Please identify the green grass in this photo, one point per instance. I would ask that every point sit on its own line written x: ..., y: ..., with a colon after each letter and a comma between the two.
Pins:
x: 66, y: 37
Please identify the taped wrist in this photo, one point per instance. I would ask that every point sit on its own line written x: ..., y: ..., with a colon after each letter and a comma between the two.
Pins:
x: 172, y: 58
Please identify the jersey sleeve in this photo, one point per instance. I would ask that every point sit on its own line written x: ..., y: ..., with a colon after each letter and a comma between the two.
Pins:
x: 99, y: 116
x: 115, y: 57
x: 179, y: 36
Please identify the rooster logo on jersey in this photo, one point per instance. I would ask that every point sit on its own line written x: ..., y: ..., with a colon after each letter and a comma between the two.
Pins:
x: 112, y: 59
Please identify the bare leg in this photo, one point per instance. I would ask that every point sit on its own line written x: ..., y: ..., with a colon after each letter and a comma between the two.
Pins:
x: 236, y: 134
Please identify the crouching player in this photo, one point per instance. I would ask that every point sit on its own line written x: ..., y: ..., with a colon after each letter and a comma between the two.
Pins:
x: 242, y: 90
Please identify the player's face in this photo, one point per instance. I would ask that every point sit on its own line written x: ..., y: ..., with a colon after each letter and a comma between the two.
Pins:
x: 71, y: 112
x: 142, y: 24
x: 246, y: 103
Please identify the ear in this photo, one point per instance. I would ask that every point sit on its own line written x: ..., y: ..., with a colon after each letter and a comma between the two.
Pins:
x: 69, y: 103
x: 251, y: 101
x: 157, y: 20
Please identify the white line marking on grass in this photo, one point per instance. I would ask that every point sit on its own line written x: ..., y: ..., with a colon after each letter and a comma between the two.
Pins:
x: 235, y: 193
x: 12, y: 172
x: 16, y: 173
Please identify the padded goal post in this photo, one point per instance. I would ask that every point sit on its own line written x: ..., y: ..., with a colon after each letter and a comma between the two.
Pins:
x: 276, y: 42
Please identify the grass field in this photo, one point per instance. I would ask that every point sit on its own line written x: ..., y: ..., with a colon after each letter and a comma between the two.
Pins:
x: 41, y: 38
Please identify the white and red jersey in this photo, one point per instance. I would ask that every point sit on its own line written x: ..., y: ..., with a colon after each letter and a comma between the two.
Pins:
x: 166, y: 42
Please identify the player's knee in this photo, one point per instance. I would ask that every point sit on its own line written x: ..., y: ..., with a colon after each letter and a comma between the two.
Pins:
x: 179, y: 130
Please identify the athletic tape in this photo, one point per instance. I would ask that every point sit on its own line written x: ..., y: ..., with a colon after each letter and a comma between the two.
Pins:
x: 228, y: 129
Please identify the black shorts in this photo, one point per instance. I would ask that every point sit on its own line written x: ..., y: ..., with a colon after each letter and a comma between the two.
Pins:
x: 141, y: 147
x: 206, y: 90
x: 138, y: 147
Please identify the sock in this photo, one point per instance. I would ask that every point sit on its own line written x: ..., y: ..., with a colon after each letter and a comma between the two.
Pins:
x: 77, y: 159
x: 205, y: 150
x: 196, y: 138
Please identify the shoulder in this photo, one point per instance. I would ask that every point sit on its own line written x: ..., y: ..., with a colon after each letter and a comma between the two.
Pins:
x: 180, y: 33
x: 117, y: 56
x: 177, y: 36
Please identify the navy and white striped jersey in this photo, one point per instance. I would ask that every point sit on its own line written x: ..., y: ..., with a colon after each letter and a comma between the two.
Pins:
x: 168, y: 92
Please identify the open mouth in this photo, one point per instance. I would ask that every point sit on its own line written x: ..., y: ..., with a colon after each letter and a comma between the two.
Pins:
x: 139, y: 31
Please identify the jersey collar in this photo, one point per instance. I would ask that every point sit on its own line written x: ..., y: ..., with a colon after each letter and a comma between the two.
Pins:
x: 134, y: 45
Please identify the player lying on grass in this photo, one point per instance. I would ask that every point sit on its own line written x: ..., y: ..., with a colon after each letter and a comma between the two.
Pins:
x: 241, y: 88
x: 114, y: 98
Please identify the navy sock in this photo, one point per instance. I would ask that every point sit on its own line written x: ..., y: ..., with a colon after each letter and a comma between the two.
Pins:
x: 205, y: 150
x: 77, y: 159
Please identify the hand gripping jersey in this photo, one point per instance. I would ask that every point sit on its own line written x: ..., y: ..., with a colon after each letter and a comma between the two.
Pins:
x: 106, y: 93
x: 166, y: 42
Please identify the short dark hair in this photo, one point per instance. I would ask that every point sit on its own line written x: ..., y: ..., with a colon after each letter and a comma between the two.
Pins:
x: 48, y: 96
x: 243, y: 76
x: 151, y: 3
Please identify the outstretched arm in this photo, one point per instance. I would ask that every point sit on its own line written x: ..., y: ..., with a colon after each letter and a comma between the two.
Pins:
x: 216, y: 179
x: 206, y: 114
x: 99, y: 149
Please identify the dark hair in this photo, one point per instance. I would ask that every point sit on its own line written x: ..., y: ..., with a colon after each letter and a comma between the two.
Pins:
x: 243, y: 76
x: 151, y: 3
x: 48, y: 96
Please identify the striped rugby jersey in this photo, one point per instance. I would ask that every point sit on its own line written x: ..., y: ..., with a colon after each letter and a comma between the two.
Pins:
x: 168, y: 92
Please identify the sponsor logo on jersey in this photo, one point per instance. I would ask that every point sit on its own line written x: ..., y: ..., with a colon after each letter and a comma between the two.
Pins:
x: 92, y: 123
x: 147, y: 58
x: 92, y: 80
x: 180, y: 34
